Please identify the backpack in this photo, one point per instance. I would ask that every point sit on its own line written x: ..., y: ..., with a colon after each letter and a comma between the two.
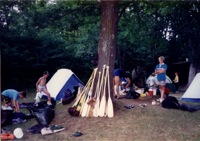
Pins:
x: 132, y: 94
x: 73, y: 112
x: 69, y: 96
x: 6, y: 117
x: 170, y: 103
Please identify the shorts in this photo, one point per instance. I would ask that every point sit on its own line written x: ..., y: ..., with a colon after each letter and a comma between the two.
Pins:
x: 41, y: 88
x: 117, y: 72
x: 162, y: 83
x: 5, y: 99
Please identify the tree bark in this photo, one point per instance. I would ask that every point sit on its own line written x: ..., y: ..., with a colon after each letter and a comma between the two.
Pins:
x: 195, y: 62
x: 107, y: 36
x: 192, y: 73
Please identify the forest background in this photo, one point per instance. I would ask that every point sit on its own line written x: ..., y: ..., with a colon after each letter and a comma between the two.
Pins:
x: 48, y: 35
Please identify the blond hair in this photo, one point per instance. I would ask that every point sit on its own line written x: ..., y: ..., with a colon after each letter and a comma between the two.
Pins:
x: 162, y: 58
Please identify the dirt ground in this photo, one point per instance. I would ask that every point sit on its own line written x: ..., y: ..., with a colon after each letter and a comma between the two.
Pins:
x: 138, y: 123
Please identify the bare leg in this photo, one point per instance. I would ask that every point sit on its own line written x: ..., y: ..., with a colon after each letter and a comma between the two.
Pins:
x: 117, y: 82
x: 48, y: 94
x: 162, y: 91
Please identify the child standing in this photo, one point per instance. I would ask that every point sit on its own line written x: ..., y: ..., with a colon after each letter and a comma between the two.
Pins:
x: 152, y: 81
x: 176, y: 80
x: 41, y: 86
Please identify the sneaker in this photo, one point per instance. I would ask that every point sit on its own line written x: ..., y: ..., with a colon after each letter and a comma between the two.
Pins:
x: 56, y: 128
x: 37, y: 100
x: 153, y: 102
x: 129, y: 106
x: 60, y: 101
x: 6, y: 107
x: 46, y: 131
x: 77, y: 134
x: 49, y: 103
x: 36, y: 104
x: 143, y: 105
x: 158, y: 100
x: 161, y: 100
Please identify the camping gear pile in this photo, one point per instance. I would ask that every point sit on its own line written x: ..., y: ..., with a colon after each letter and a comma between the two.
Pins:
x: 169, y: 84
x: 94, y: 101
x: 9, y: 116
x: 43, y: 114
x: 172, y: 103
x: 132, y: 94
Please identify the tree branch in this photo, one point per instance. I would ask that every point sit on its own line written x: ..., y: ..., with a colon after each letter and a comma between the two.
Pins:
x: 123, y: 10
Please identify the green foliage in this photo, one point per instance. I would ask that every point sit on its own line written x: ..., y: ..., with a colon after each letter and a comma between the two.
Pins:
x: 185, y: 22
x: 150, y: 29
x: 38, y: 35
x: 141, y: 28
x: 50, y: 37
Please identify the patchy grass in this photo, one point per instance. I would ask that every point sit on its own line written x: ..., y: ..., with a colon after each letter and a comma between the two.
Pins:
x: 140, y: 124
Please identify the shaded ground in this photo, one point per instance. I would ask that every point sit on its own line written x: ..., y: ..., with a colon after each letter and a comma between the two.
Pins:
x: 151, y: 123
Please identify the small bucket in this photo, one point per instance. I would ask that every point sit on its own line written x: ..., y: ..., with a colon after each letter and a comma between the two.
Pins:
x: 150, y: 92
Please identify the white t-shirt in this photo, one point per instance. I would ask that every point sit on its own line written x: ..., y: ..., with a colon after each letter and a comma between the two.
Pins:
x: 152, y: 81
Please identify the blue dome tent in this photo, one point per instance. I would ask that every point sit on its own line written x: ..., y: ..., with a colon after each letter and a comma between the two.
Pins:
x: 61, y: 81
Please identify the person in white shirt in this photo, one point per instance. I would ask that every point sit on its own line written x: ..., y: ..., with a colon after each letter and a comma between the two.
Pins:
x: 151, y: 81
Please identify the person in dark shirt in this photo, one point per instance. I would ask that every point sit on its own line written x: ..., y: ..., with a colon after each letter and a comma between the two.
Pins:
x: 119, y: 76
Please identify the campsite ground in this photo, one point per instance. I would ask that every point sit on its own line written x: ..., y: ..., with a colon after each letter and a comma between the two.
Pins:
x: 141, y: 124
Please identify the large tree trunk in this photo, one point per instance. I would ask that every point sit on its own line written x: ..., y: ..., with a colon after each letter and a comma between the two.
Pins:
x: 195, y: 59
x: 107, y: 35
x: 191, y: 74
x: 193, y: 70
